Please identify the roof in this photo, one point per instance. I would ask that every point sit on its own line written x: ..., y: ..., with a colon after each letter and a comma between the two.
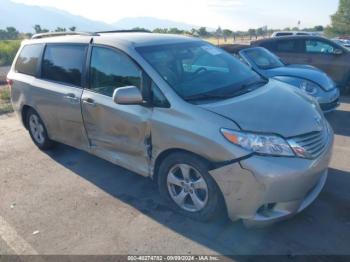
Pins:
x: 274, y: 39
x: 233, y: 48
x: 128, y: 38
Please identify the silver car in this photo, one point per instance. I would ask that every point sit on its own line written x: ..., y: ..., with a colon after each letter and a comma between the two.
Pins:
x: 211, y: 132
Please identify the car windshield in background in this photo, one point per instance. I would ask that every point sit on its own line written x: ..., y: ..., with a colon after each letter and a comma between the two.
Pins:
x: 262, y: 58
x: 199, y: 71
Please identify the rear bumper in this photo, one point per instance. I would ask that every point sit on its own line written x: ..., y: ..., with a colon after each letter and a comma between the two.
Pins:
x: 263, y: 190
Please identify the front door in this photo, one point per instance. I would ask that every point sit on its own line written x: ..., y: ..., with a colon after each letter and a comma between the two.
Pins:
x: 322, y: 54
x: 118, y: 133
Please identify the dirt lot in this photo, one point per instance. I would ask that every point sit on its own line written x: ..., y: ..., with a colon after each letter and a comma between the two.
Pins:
x: 68, y: 202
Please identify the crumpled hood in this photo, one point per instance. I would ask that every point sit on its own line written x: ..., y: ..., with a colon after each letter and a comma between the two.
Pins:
x: 305, y: 72
x: 275, y: 108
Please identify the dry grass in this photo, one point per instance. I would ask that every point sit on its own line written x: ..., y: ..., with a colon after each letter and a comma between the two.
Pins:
x: 5, y: 100
x: 238, y: 40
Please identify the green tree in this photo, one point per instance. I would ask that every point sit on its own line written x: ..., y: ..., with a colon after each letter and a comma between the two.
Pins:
x: 175, y: 30
x: 202, y: 31
x: 160, y: 30
x: 260, y: 31
x: 60, y: 29
x: 73, y: 28
x: 340, y: 20
x: 251, y: 32
x: 38, y: 29
x: 318, y: 28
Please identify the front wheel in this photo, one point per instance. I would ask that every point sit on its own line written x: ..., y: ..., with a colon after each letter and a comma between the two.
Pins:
x: 185, y: 182
x: 37, y: 130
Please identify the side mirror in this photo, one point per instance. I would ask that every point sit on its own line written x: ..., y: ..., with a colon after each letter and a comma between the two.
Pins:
x: 338, y: 52
x: 127, y: 95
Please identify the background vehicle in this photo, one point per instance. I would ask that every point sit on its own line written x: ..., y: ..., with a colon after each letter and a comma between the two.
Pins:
x: 291, y: 33
x: 309, y: 79
x: 181, y: 111
x: 343, y: 42
x: 320, y: 52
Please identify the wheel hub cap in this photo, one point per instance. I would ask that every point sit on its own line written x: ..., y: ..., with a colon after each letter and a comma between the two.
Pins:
x: 187, y: 187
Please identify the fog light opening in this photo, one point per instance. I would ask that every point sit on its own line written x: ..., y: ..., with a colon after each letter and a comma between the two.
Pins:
x: 266, y: 210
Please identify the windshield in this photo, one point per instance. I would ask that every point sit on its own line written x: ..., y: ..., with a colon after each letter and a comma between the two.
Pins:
x: 197, y: 70
x: 262, y: 58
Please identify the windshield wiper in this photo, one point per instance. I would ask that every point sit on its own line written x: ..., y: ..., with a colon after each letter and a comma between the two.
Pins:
x: 205, y: 97
x: 245, y: 88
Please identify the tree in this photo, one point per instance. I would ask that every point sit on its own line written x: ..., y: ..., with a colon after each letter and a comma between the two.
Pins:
x: 73, y: 28
x: 227, y: 32
x: 318, y: 28
x: 175, y: 30
x: 260, y: 31
x: 251, y: 32
x: 9, y: 34
x: 38, y: 29
x: 60, y: 29
x: 340, y: 20
x: 202, y: 31
x: 160, y: 30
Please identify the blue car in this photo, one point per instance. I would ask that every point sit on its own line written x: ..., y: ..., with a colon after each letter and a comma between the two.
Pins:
x: 309, y: 79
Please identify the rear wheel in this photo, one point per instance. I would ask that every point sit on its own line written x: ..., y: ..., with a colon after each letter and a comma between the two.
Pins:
x: 184, y: 181
x: 37, y: 130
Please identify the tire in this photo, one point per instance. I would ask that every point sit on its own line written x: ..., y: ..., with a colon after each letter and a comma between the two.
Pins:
x: 37, y: 130
x: 170, y: 177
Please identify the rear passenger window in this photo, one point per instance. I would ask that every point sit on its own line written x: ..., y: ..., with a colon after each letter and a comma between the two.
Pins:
x: 110, y: 69
x: 27, y: 61
x: 64, y: 63
x: 286, y: 46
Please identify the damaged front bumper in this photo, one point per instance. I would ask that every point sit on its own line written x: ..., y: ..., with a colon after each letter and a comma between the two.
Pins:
x: 263, y: 190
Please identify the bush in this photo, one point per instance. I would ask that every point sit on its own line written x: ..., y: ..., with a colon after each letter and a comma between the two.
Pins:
x: 8, y: 50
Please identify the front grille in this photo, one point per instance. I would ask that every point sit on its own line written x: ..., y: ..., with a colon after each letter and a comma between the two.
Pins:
x: 330, y: 106
x: 313, y: 144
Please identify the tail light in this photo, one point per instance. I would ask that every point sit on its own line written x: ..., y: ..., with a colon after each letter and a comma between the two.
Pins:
x: 9, y: 82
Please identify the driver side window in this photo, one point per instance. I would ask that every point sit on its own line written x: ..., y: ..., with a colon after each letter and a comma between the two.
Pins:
x: 318, y: 47
x: 110, y: 69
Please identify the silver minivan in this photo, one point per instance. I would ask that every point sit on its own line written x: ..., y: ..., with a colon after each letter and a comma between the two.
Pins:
x: 216, y: 136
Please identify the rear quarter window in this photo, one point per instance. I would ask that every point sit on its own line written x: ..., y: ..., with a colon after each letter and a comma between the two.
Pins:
x: 64, y: 63
x: 28, y: 59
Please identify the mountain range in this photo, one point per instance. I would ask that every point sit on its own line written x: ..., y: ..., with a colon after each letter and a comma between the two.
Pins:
x: 23, y: 17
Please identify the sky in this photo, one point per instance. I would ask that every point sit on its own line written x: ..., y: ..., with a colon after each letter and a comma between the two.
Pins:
x: 232, y: 14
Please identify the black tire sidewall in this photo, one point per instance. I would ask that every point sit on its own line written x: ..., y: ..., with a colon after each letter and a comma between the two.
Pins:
x: 214, y: 205
x: 47, y: 142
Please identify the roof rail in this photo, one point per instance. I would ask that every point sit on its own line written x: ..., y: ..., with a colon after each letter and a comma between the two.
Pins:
x: 52, y: 34
x: 124, y: 31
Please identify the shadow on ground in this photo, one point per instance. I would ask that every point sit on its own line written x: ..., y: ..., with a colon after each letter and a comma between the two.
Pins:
x: 305, y: 234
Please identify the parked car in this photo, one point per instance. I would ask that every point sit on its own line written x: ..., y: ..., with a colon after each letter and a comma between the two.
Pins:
x: 309, y: 79
x: 343, y: 42
x: 213, y: 133
x: 291, y: 33
x: 320, y: 52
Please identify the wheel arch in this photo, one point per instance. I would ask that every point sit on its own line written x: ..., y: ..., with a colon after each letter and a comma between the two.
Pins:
x: 24, y: 112
x: 168, y: 152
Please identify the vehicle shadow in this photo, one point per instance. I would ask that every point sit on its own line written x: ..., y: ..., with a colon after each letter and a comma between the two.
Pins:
x: 340, y: 122
x: 303, y: 234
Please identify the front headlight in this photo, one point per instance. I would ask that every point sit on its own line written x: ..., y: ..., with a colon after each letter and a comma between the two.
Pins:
x: 262, y: 144
x: 307, y: 86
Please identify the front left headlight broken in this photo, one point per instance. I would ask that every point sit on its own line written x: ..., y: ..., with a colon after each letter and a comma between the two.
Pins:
x: 257, y: 143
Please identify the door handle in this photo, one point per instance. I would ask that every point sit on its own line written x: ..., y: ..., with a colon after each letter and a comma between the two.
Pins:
x: 89, y: 101
x: 71, y: 97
